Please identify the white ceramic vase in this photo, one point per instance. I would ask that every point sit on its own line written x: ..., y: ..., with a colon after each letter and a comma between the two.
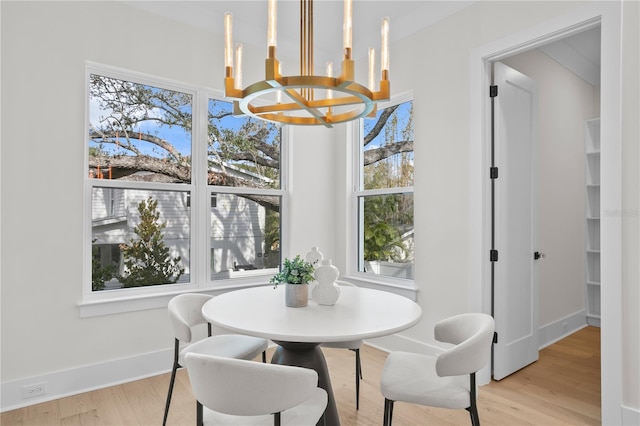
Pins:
x: 326, y: 292
x: 314, y: 257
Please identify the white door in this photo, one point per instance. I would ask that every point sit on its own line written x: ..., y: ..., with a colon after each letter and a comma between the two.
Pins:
x: 515, y: 290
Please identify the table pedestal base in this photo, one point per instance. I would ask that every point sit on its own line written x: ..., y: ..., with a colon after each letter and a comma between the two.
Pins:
x: 309, y: 355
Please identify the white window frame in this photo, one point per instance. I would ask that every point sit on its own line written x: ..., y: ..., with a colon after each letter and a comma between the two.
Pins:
x: 95, y: 303
x: 397, y: 285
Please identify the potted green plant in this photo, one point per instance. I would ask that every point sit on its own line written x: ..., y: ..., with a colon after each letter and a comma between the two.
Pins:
x: 295, y: 274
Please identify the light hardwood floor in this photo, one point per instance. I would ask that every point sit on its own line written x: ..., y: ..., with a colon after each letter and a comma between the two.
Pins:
x: 562, y: 388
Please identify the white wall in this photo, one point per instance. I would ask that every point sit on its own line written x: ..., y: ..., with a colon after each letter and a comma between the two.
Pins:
x: 44, y: 46
x: 44, y: 49
x: 313, y: 211
x: 566, y: 101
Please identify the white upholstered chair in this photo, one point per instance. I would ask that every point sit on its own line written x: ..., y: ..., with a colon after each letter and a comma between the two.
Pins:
x: 447, y: 380
x: 185, y: 313
x: 352, y: 345
x: 238, y: 392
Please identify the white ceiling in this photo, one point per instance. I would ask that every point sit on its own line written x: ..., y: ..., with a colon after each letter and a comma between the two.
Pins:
x: 250, y: 22
x: 580, y: 53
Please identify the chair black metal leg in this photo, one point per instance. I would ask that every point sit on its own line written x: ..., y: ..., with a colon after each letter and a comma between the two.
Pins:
x: 199, y: 414
x: 385, y: 416
x: 172, y: 381
x: 264, y: 356
x: 473, y: 407
x: 358, y: 363
x: 388, y: 412
x: 473, y: 413
x: 166, y: 406
x: 358, y: 377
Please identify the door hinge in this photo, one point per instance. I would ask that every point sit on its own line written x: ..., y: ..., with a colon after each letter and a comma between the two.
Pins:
x: 493, y: 91
x: 495, y: 337
x: 493, y: 255
x: 493, y: 173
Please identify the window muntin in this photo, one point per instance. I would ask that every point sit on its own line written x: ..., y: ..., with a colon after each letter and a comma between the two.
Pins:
x: 385, y: 195
x: 139, y: 150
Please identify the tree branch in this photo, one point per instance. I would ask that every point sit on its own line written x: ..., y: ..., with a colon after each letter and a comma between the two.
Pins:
x: 111, y: 136
x: 124, y: 165
x: 374, y: 155
x: 384, y: 117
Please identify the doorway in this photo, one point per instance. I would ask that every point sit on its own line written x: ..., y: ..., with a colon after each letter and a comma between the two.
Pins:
x: 608, y: 15
x: 549, y: 160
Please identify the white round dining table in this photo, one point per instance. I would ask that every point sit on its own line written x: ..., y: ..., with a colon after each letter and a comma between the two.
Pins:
x: 359, y: 313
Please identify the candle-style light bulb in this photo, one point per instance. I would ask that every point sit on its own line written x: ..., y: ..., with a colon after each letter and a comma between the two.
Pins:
x: 272, y: 23
x: 384, y: 53
x: 228, y: 40
x: 372, y: 71
x: 329, y: 74
x: 347, y: 28
x: 238, y: 77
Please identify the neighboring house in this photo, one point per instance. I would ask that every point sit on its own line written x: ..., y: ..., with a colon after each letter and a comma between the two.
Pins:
x: 237, y: 228
x: 237, y: 236
x: 115, y: 215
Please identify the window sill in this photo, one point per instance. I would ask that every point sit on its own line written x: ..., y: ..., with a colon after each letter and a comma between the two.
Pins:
x: 131, y: 300
x: 404, y: 288
x: 117, y: 302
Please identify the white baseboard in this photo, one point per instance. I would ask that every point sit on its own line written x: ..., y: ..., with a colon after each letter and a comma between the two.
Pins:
x: 630, y: 416
x: 77, y: 380
x: 558, y: 330
x: 96, y: 376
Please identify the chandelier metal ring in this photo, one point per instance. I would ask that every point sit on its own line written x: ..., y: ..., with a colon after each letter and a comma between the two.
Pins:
x: 357, y: 99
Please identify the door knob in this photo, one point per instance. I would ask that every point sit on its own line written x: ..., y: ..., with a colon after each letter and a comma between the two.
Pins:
x: 537, y: 255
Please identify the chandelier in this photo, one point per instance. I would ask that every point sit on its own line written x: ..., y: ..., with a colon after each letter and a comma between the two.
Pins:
x: 306, y: 99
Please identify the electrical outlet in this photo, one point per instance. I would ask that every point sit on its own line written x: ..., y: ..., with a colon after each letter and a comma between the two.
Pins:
x: 36, y: 389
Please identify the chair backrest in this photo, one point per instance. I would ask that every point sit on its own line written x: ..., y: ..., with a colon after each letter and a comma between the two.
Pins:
x: 185, y: 311
x: 247, y: 388
x: 472, y: 333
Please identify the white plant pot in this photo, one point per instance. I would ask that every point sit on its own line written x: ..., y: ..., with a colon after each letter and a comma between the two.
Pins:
x: 296, y: 295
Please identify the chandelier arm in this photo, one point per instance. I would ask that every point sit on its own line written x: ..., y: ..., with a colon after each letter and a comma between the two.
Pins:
x: 304, y: 104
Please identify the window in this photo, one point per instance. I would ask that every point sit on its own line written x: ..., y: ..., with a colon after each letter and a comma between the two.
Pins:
x: 162, y: 173
x: 385, y: 194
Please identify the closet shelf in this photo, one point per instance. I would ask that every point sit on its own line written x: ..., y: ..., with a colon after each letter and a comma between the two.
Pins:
x: 592, y: 222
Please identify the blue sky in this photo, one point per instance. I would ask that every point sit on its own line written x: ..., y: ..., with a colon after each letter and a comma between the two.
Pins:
x: 403, y: 118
